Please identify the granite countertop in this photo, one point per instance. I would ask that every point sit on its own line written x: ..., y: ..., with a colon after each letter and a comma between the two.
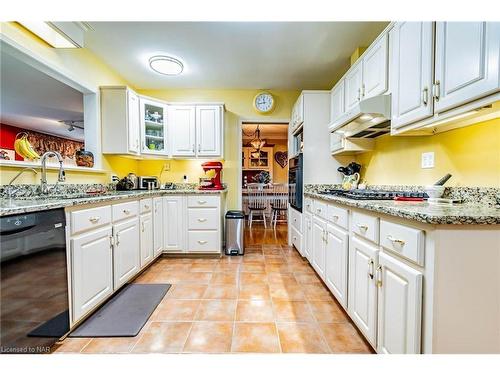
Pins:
x: 464, y: 213
x: 37, y: 203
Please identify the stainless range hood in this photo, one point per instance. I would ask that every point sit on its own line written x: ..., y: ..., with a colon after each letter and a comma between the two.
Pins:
x: 370, y: 118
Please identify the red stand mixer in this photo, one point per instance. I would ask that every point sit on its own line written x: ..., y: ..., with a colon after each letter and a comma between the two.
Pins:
x: 213, y: 182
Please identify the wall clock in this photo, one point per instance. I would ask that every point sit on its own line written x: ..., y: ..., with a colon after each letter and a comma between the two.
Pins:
x: 264, y: 102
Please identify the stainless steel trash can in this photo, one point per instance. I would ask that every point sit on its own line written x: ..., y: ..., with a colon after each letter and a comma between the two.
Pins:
x: 235, y: 222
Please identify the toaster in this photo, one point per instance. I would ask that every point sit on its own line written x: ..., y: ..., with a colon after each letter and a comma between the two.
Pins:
x: 144, y: 183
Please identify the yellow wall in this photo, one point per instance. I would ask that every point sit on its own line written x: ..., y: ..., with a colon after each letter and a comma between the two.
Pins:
x: 471, y: 154
x: 238, y: 105
x: 280, y: 175
x: 83, y: 65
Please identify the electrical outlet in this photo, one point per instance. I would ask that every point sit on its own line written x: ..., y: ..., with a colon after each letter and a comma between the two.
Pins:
x: 166, y: 167
x: 427, y: 160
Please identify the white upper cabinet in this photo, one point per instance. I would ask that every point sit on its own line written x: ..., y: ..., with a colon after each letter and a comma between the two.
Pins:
x: 208, y: 130
x: 153, y: 117
x: 353, y: 82
x: 183, y: 127
x: 120, y: 115
x: 411, y: 72
x: 337, y: 104
x: 134, y: 138
x: 399, y: 307
x: 375, y: 69
x: 467, y: 62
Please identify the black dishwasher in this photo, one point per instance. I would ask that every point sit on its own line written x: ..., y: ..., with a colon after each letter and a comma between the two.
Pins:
x: 34, y: 305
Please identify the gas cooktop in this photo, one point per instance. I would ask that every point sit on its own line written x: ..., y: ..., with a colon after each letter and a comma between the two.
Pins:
x: 363, y: 194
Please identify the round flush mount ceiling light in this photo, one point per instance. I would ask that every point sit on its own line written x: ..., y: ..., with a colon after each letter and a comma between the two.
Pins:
x: 166, y: 65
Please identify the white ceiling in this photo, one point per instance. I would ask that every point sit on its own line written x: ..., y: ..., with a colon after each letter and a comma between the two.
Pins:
x: 32, y: 100
x: 236, y: 55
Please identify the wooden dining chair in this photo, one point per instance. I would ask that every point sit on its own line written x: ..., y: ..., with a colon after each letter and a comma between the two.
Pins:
x: 257, y: 202
x: 279, y: 203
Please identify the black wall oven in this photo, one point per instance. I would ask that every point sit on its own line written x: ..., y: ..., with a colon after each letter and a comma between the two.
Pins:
x: 34, y: 305
x: 295, y: 182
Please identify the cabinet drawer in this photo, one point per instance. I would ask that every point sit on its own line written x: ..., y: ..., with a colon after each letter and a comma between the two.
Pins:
x: 296, y: 220
x: 203, y: 241
x: 365, y: 226
x: 308, y: 204
x: 125, y: 210
x: 297, y: 240
x: 337, y: 215
x: 203, y: 201
x: 407, y: 242
x: 90, y: 218
x: 146, y: 205
x: 320, y: 209
x: 203, y: 218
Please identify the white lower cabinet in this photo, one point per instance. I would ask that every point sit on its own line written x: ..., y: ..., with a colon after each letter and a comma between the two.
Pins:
x: 157, y: 226
x: 92, y: 270
x: 399, y: 307
x: 318, y: 245
x: 337, y: 248
x: 174, y: 223
x: 146, y: 235
x: 362, y: 306
x: 307, y: 244
x: 126, y: 254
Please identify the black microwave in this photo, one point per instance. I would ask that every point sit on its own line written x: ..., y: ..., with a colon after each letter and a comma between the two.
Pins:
x: 295, y: 182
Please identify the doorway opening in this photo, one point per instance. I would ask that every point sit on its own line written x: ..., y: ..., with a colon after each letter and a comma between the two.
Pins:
x: 264, y: 173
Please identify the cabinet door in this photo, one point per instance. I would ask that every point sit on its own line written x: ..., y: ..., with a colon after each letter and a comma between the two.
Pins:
x: 352, y: 82
x: 92, y: 270
x: 174, y: 228
x: 182, y: 120
x: 411, y: 72
x: 362, y: 302
x: 318, y: 245
x: 399, y: 307
x: 126, y: 252
x: 157, y: 226
x: 208, y: 130
x: 308, y: 236
x: 337, y: 107
x: 337, y: 247
x: 467, y: 62
x: 375, y: 69
x: 146, y: 235
x: 154, y: 127
x: 133, y: 118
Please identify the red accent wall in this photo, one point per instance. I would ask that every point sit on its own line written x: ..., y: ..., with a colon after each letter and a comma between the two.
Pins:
x: 7, y: 137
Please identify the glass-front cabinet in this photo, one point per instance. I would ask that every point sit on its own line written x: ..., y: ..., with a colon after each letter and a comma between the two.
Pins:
x: 253, y: 159
x: 154, y: 127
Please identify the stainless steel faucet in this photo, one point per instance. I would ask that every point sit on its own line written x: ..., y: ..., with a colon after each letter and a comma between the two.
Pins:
x: 61, y: 176
x: 9, y: 191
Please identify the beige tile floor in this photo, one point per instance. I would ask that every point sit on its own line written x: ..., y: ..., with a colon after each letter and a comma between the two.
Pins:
x: 269, y: 301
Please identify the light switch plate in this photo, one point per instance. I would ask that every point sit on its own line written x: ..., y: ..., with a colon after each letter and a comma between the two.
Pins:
x: 427, y: 160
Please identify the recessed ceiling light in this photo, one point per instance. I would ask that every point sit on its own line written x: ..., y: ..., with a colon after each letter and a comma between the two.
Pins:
x: 166, y: 65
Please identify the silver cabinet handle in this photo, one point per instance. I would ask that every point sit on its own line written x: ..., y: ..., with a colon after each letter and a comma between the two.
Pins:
x: 126, y: 211
x: 362, y: 226
x: 146, y: 206
x: 395, y: 240
x: 94, y: 219
x: 142, y: 226
x: 202, y: 220
x: 371, y: 265
x: 437, y: 89
x: 202, y: 242
x: 335, y: 217
x: 425, y: 96
x: 318, y: 209
x: 202, y: 202
x: 199, y: 147
x: 359, y: 94
x: 363, y: 90
x: 379, y: 276
x: 111, y: 241
x: 193, y: 148
x: 117, y: 242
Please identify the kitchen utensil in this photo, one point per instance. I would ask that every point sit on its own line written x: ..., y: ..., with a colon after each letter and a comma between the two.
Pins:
x: 125, y: 184
x: 409, y: 199
x: 443, y: 201
x: 353, y: 167
x: 350, y: 181
x: 342, y: 170
x: 443, y: 180
x: 434, y: 191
